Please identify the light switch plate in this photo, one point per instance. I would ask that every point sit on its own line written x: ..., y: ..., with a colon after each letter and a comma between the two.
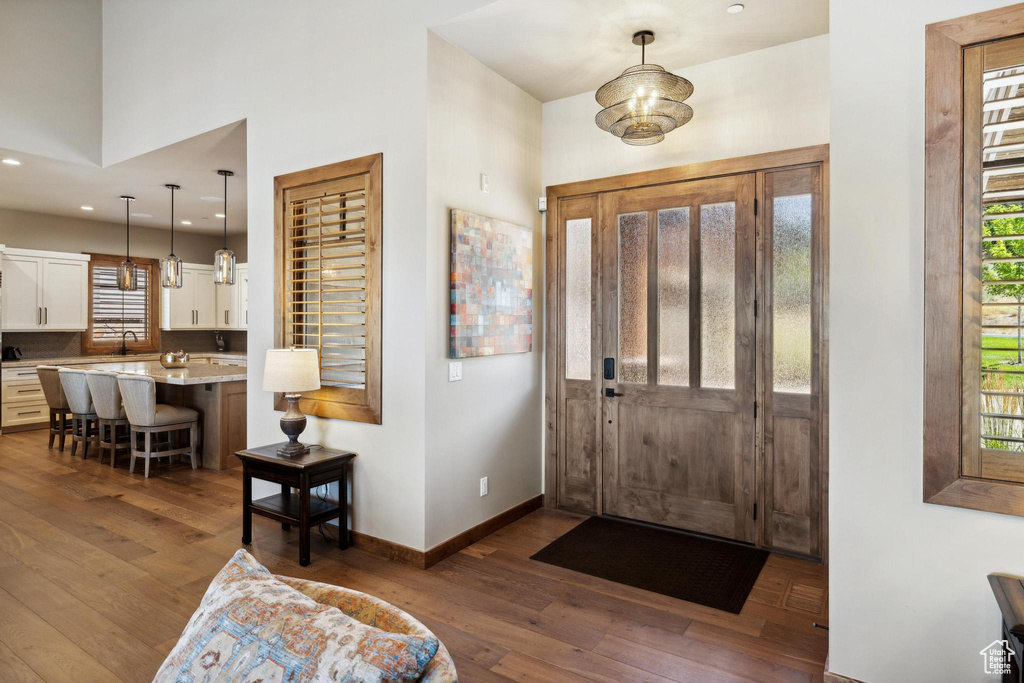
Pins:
x: 542, y: 204
x: 455, y: 371
x: 483, y: 487
x: 485, y: 184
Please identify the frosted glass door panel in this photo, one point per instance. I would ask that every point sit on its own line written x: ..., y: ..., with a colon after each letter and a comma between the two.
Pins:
x: 791, y: 293
x: 718, y: 295
x: 633, y: 297
x: 674, y: 297
x: 577, y: 298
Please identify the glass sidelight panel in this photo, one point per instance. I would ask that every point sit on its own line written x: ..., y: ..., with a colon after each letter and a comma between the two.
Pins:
x: 577, y: 298
x: 718, y: 295
x: 633, y: 297
x: 791, y: 293
x: 674, y: 297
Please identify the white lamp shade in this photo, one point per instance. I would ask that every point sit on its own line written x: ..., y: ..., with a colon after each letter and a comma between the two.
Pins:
x: 291, y: 371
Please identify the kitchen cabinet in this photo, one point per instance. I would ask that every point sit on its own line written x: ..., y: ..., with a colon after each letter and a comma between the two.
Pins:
x: 44, y: 290
x: 233, y: 301
x: 193, y: 306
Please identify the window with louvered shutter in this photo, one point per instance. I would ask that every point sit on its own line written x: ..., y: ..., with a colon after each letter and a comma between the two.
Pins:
x: 328, y: 256
x: 113, y: 312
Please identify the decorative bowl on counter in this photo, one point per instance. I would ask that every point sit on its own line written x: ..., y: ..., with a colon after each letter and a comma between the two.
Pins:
x: 174, y: 359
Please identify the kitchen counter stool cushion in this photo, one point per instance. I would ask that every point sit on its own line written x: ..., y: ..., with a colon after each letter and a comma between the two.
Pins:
x: 60, y: 412
x: 106, y: 398
x: 147, y: 417
x: 84, y: 425
x: 251, y: 625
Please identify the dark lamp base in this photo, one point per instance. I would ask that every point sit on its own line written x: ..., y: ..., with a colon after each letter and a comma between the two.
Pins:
x: 292, y: 424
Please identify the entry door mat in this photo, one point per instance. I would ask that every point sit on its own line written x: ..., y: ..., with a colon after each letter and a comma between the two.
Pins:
x: 710, y: 572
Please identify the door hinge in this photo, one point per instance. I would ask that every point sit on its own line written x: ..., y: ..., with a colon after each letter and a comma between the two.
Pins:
x: 755, y: 510
x: 755, y: 206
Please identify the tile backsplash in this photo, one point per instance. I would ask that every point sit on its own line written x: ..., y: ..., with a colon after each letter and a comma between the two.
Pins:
x: 69, y: 344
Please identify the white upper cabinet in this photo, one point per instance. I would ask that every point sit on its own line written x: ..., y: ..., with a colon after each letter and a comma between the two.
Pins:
x: 200, y: 304
x: 243, y: 296
x: 44, y: 290
x: 232, y: 301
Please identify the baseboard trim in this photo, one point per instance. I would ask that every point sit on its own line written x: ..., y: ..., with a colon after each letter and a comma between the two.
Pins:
x: 425, y: 559
x: 831, y: 677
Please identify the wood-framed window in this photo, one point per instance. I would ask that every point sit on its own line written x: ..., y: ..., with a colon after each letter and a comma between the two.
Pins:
x: 327, y: 251
x: 112, y: 312
x: 974, y: 245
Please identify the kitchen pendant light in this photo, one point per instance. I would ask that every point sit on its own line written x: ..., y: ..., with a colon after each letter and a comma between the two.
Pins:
x: 224, y: 259
x: 127, y: 272
x: 170, y: 267
x: 645, y: 102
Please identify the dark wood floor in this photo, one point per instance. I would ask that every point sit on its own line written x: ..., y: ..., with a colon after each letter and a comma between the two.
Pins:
x: 100, y: 570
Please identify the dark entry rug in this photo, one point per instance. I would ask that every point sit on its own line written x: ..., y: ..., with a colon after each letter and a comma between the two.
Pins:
x: 694, y: 568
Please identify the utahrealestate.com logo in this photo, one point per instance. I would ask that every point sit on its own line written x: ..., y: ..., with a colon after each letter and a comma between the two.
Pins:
x: 997, y: 657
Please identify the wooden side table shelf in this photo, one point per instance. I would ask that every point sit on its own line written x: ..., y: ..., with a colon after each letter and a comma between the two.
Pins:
x: 319, y: 466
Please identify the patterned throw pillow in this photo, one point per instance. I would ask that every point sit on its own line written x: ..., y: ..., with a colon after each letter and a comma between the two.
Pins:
x: 252, y: 627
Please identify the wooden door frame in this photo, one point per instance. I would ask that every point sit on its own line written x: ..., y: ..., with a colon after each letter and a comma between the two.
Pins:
x: 757, y: 163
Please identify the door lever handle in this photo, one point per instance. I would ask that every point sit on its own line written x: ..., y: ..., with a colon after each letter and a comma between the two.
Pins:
x: 611, y: 393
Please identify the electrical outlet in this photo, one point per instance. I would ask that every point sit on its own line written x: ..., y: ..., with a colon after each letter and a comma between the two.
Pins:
x: 485, y: 185
x: 455, y: 371
x: 483, y: 487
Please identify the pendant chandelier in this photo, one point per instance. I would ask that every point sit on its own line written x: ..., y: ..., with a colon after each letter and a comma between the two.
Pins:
x: 170, y: 267
x: 645, y: 102
x: 127, y: 272
x: 224, y: 259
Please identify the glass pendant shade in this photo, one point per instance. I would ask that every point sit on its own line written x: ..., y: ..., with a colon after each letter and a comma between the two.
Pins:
x: 224, y: 259
x: 170, y: 266
x: 127, y: 275
x: 170, y: 272
x: 224, y: 267
x: 127, y: 272
x: 644, y: 103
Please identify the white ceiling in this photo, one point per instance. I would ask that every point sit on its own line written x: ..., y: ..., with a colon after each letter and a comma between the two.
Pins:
x: 61, y: 188
x: 557, y: 48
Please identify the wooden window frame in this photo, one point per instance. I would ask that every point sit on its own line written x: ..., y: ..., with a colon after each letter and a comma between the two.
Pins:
x: 946, y: 226
x: 335, y: 402
x: 92, y: 348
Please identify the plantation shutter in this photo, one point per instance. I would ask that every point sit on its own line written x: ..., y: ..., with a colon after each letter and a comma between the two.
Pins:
x: 115, y: 311
x: 330, y: 264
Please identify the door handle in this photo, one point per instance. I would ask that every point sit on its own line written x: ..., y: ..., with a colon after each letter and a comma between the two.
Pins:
x: 611, y: 393
x: 46, y: 315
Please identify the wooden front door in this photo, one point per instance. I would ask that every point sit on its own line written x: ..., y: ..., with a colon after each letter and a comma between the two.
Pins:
x: 679, y: 355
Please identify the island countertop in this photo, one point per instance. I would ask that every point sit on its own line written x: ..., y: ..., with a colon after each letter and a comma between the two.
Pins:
x: 194, y: 374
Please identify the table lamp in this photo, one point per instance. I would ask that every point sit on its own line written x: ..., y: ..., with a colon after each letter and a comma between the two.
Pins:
x: 291, y: 371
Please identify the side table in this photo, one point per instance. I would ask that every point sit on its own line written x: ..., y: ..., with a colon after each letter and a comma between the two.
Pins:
x: 319, y: 466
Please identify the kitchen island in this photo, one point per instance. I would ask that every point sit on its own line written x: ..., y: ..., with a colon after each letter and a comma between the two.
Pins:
x: 217, y: 392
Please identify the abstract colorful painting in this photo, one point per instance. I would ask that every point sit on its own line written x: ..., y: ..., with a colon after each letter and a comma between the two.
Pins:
x: 492, y: 287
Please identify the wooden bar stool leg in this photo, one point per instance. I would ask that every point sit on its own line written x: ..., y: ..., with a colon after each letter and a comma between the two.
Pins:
x: 74, y: 434
x: 53, y: 426
x: 192, y: 433
x: 132, y: 442
x: 149, y: 450
x: 63, y: 430
x: 85, y: 438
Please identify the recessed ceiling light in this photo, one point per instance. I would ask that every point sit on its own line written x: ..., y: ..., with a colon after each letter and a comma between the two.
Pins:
x: 12, y: 162
x: 186, y: 222
x: 86, y: 208
x: 219, y: 215
x: 734, y: 9
x: 212, y: 199
x: 139, y: 214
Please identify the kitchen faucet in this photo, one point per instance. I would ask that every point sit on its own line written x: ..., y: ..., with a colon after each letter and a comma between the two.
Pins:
x: 124, y: 346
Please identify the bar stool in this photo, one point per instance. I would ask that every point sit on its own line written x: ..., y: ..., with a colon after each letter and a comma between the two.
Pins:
x: 147, y: 417
x: 57, y: 401
x: 106, y: 397
x: 84, y: 427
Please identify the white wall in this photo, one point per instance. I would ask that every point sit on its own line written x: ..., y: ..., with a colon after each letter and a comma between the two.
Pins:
x: 172, y: 70
x: 490, y: 423
x: 762, y: 101
x: 909, y: 600
x: 50, y: 99
x: 29, y: 230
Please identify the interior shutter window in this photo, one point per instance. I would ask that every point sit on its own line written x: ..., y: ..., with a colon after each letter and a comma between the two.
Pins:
x: 113, y: 312
x: 330, y: 266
